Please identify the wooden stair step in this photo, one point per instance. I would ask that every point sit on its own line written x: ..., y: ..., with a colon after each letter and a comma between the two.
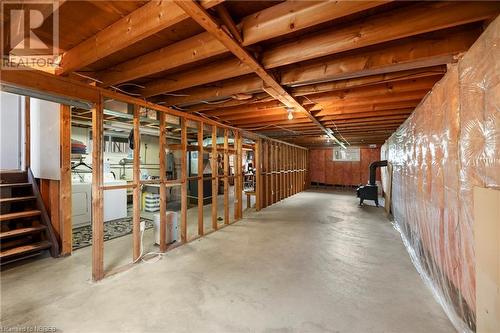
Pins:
x: 18, y: 215
x: 17, y: 199
x: 15, y: 185
x: 21, y: 231
x: 24, y: 249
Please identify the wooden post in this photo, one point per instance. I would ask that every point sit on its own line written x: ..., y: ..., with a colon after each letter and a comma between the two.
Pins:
x: 200, y: 179
x: 27, y: 133
x: 215, y: 178
x: 97, y: 194
x: 258, y: 175
x: 183, y: 181
x: 163, y: 187
x: 66, y: 229
x: 136, y: 214
x: 226, y: 175
x: 239, y: 161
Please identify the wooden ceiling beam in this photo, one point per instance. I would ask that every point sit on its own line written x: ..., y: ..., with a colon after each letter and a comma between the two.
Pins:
x: 418, y: 19
x: 367, y: 114
x: 271, y: 86
x: 410, y: 53
x: 204, y: 45
x: 410, y: 104
x: 140, y: 24
x: 250, y: 85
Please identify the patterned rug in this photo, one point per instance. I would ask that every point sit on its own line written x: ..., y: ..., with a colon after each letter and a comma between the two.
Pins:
x: 82, y: 236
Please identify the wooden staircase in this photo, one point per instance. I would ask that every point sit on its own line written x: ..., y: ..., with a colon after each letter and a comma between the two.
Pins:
x: 25, y: 228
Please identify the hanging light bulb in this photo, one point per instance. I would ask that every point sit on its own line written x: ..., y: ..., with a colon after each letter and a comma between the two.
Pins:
x: 290, y: 113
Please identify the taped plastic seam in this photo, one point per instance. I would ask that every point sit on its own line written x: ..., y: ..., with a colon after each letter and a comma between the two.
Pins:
x: 449, y: 144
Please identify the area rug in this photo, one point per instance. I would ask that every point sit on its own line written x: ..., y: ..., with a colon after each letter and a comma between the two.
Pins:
x: 82, y: 236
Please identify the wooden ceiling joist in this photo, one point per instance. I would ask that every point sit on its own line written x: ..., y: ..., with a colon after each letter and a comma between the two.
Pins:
x: 204, y: 45
x: 410, y: 53
x: 140, y: 24
x: 231, y: 87
x: 382, y: 28
x: 271, y: 86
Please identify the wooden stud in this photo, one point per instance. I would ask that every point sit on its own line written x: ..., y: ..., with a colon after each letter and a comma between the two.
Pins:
x: 136, y: 214
x: 65, y: 206
x: 184, y: 181
x: 226, y: 175
x: 239, y: 161
x: 258, y: 174
x: 27, y: 133
x: 215, y: 178
x: 163, y: 187
x: 200, y: 179
x: 97, y: 193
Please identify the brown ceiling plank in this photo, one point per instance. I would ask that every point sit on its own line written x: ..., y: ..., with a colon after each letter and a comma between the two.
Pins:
x: 203, y: 46
x: 369, y: 108
x: 251, y: 85
x: 396, y: 24
x: 410, y: 53
x: 228, y: 21
x: 367, y: 114
x: 140, y: 24
x: 271, y: 86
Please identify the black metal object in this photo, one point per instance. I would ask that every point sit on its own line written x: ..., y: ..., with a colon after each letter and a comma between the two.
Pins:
x: 370, y: 191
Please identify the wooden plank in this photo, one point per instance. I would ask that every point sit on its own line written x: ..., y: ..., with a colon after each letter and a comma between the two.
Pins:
x: 227, y: 20
x: 200, y: 179
x: 54, y: 210
x: 27, y: 131
x: 184, y: 202
x: 407, y: 54
x: 138, y: 25
x: 163, y: 188
x: 18, y: 215
x: 272, y: 87
x: 65, y: 203
x: 258, y: 175
x: 215, y: 178
x: 381, y: 28
x: 97, y: 193
x: 136, y: 214
x: 239, y: 162
x: 203, y: 45
x: 226, y: 180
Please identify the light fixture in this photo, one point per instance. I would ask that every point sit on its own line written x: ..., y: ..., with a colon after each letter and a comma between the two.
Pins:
x: 290, y: 113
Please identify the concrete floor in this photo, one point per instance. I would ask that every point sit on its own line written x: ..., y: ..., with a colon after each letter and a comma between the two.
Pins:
x: 315, y: 262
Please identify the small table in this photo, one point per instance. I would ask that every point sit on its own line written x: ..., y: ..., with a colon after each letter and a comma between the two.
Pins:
x: 249, y: 194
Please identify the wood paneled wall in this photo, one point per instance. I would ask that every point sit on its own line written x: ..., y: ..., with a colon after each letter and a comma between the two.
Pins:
x: 324, y: 170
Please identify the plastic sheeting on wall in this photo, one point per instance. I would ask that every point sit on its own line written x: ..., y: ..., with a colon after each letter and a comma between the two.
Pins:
x: 449, y: 144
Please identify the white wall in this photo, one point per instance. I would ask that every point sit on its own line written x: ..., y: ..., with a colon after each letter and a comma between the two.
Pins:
x: 45, y: 150
x: 11, y: 131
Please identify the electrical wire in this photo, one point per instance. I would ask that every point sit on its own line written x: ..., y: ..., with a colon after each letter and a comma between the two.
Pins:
x: 158, y: 255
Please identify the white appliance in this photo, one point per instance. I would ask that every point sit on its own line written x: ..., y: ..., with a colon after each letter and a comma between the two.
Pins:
x: 172, y: 230
x: 115, y: 201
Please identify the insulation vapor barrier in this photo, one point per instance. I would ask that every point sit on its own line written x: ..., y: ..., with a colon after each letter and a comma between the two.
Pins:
x: 449, y: 145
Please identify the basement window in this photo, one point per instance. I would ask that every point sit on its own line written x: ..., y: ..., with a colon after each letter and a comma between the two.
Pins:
x: 346, y: 155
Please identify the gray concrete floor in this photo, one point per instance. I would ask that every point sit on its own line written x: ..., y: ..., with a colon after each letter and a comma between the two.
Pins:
x: 315, y: 262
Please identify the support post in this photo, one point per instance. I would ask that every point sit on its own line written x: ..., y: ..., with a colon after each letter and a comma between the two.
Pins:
x: 97, y: 194
x: 183, y: 181
x: 200, y: 179
x: 258, y: 175
x: 66, y: 229
x: 226, y: 177
x: 215, y: 177
x: 163, y: 188
x: 136, y: 214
